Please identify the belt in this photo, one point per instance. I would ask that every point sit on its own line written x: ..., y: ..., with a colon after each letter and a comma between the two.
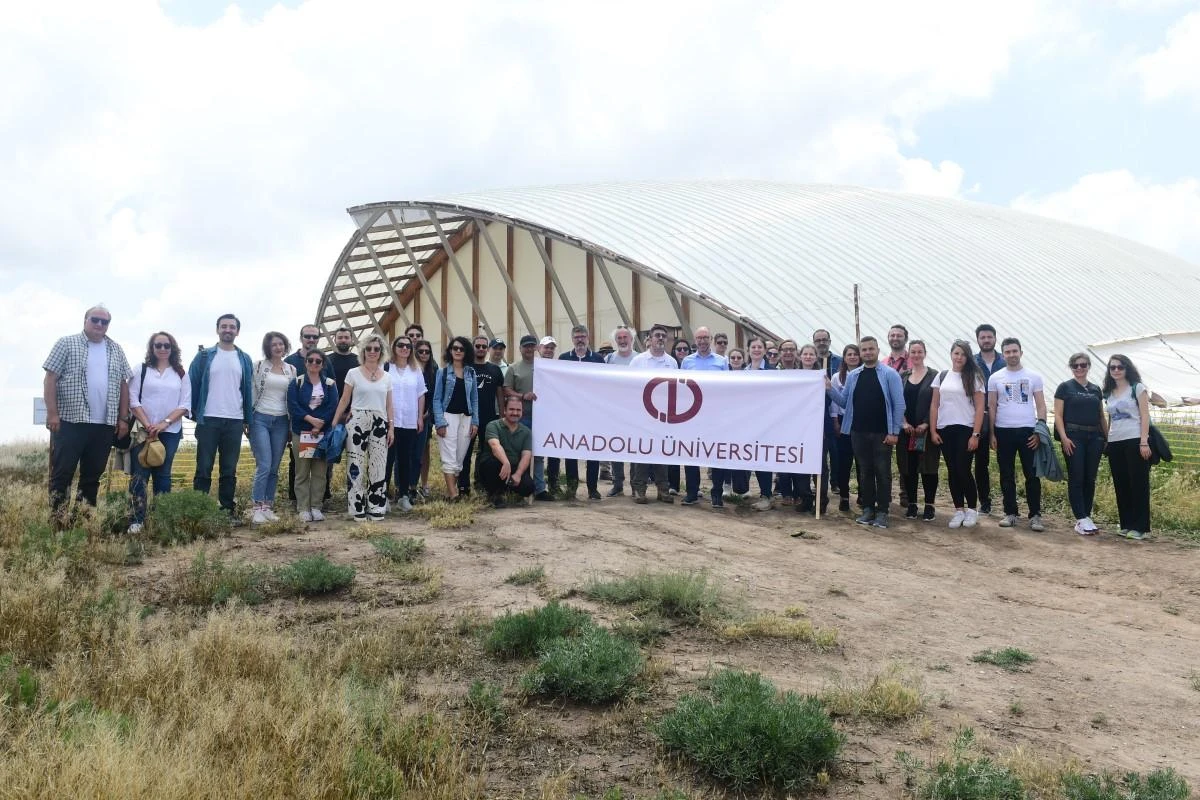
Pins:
x: 1086, y: 428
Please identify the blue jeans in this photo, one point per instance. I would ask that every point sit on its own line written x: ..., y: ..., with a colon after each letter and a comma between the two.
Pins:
x: 692, y: 477
x: 268, y: 436
x: 420, y: 450
x: 224, y: 436
x: 1082, y: 465
x: 160, y: 474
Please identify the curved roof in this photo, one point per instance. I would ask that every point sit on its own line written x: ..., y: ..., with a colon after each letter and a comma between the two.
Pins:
x: 785, y: 257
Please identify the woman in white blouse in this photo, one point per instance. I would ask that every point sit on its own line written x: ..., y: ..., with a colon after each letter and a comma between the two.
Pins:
x: 269, y: 429
x: 368, y: 396
x: 408, y: 417
x: 160, y: 394
x: 955, y: 422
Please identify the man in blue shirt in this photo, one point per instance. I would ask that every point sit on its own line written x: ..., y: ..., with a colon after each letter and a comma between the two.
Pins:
x: 990, y: 362
x: 704, y: 359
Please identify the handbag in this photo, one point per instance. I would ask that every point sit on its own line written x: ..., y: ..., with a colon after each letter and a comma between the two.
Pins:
x: 1160, y: 448
x: 126, y: 441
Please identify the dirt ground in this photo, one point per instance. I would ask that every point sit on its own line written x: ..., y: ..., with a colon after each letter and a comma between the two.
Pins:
x: 1114, y: 625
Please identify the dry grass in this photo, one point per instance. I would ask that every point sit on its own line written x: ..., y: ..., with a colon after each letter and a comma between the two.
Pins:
x: 890, y: 696
x: 451, y: 516
x: 770, y: 626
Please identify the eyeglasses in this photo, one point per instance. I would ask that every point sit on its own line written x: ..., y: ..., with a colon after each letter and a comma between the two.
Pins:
x: 99, y: 321
x: 1116, y: 367
x: 314, y: 361
x: 162, y: 345
x: 424, y: 352
x: 405, y: 345
x: 372, y: 348
x: 1080, y: 365
x: 311, y: 337
x: 481, y: 347
x: 773, y: 353
x: 456, y: 349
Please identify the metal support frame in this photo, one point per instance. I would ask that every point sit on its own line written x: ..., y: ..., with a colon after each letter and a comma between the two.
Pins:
x: 502, y: 266
x: 626, y: 320
x: 433, y: 300
x: 684, y: 325
x: 462, y: 278
x: 386, y: 280
x: 558, y: 287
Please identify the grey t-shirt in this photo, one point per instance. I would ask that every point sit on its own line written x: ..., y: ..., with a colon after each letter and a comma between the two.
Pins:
x: 520, y: 380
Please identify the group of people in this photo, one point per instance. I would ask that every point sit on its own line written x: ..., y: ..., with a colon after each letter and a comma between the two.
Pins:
x: 881, y: 409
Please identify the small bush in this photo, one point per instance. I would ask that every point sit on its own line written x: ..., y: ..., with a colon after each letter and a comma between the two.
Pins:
x: 184, y: 516
x: 398, y: 551
x: 962, y: 776
x: 483, y: 699
x: 594, y: 667
x: 314, y: 575
x: 19, y: 686
x: 213, y: 581
x: 769, y: 626
x: 681, y: 595
x: 1162, y: 784
x: 527, y: 576
x: 746, y: 734
x: 1010, y: 658
x: 524, y: 635
x: 887, y: 698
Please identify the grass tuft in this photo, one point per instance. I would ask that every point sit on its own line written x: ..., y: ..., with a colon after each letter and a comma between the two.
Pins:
x: 184, y: 516
x: 450, y: 516
x: 398, y: 551
x: 888, y: 697
x: 213, y: 581
x: 1010, y: 658
x: 524, y: 635
x: 527, y: 576
x: 314, y: 575
x: 593, y: 667
x: 745, y: 734
x: 689, y: 596
x: 963, y: 775
x: 1161, y: 784
x: 769, y: 626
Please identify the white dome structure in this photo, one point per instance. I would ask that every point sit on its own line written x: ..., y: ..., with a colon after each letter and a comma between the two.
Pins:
x: 749, y: 257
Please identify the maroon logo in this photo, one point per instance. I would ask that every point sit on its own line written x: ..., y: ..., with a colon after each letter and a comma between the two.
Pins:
x: 673, y: 414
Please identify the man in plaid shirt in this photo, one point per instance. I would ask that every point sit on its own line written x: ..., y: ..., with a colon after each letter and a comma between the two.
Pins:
x: 86, y: 390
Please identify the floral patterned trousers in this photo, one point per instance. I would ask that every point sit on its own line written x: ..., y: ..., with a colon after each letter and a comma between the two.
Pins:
x: 366, y: 475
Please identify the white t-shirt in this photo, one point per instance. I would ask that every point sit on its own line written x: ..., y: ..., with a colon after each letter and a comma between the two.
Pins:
x: 369, y: 395
x: 273, y: 399
x: 646, y: 361
x: 616, y: 358
x: 955, y: 407
x: 408, y: 385
x: 97, y: 382
x: 1014, y: 390
x: 318, y: 395
x: 224, y: 386
x: 1124, y: 415
x: 161, y: 394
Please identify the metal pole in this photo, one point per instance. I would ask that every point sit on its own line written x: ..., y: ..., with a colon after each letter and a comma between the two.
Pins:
x: 857, y: 321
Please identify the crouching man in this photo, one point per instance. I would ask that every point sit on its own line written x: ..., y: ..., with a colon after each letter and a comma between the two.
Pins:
x: 504, y: 465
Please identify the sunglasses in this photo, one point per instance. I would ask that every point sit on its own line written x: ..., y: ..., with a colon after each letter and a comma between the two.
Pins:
x: 424, y: 352
x: 681, y: 347
x: 1080, y: 365
x: 314, y: 361
x: 456, y: 349
x: 773, y: 353
x: 1116, y: 367
x: 162, y: 345
x: 405, y: 345
x: 372, y: 348
x: 311, y: 337
x: 99, y: 321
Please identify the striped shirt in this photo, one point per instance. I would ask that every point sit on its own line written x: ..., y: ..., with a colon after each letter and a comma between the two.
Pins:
x: 69, y: 360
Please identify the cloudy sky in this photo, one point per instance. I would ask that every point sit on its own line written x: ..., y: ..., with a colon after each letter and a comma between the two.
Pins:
x: 182, y: 158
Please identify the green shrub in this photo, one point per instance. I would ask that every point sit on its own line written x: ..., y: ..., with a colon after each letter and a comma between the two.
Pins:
x: 1010, y: 658
x: 215, y: 581
x: 113, y: 513
x: 42, y: 543
x: 1162, y: 784
x: 182, y: 517
x: 593, y: 667
x: 399, y: 551
x: 681, y: 595
x: 314, y: 575
x: 19, y: 686
x: 963, y: 776
x: 483, y: 699
x: 745, y: 734
x: 527, y: 576
x: 524, y: 635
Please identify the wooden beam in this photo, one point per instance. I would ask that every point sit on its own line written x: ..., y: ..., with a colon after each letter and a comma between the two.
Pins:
x: 636, y: 300
x: 684, y: 328
x: 616, y: 296
x: 446, y: 332
x: 512, y: 289
x: 424, y: 273
x: 544, y: 251
x: 475, y: 280
x: 462, y: 278
x: 591, y: 299
x: 546, y: 284
x: 388, y: 285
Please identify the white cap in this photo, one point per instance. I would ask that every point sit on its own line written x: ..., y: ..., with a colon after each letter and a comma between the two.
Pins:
x: 548, y: 340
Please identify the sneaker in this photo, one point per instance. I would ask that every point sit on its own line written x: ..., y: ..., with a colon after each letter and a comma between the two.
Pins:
x: 1091, y: 526
x: 594, y: 494
x: 669, y: 497
x: 306, y: 516
x: 378, y: 518
x: 135, y: 528
x: 912, y: 511
x: 270, y: 514
x: 1082, y: 529
x: 866, y: 518
x: 640, y: 498
x: 259, y: 517
x: 405, y: 505
x: 674, y: 492
x: 425, y: 491
x: 880, y: 521
x: 689, y: 501
x: 929, y: 513
x: 616, y: 491
x: 718, y: 503
x: 316, y: 514
x: 1008, y: 521
x: 1137, y: 536
x: 972, y: 518
x: 985, y: 508
x: 1123, y: 533
x: 844, y: 504
x: 360, y: 517
x: 763, y: 504
x: 958, y: 519
x: 544, y: 496
x: 1035, y: 523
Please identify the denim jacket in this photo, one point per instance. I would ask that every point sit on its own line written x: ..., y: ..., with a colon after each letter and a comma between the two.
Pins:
x: 893, y: 397
x: 198, y: 374
x: 443, y: 389
x: 300, y: 394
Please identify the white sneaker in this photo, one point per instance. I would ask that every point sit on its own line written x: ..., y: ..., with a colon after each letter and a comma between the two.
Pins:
x: 1091, y: 526
x: 1081, y: 528
x: 764, y: 504
x: 259, y: 517
x: 387, y: 506
x: 1035, y: 523
x: 135, y: 528
x: 316, y: 515
x: 270, y: 514
x: 957, y: 520
x: 306, y: 516
x: 405, y: 504
x: 1008, y: 521
x: 971, y: 519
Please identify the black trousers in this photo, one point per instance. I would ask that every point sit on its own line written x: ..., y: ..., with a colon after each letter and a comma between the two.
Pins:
x: 958, y: 464
x: 477, y: 442
x: 78, y: 445
x: 592, y: 474
x: 875, y: 469
x: 1011, y: 442
x: 1131, y: 483
x: 982, y: 459
x: 489, y: 476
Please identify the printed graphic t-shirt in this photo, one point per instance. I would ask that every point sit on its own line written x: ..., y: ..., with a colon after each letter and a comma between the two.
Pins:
x: 1014, y: 389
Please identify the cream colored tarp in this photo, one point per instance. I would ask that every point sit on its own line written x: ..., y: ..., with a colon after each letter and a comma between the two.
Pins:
x: 1168, y: 362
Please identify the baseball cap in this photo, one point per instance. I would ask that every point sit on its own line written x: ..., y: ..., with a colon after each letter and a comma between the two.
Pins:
x: 497, y: 343
x: 528, y: 339
x: 548, y: 340
x: 607, y: 345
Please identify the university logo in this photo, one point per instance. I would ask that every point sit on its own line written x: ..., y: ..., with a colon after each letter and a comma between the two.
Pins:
x: 673, y: 415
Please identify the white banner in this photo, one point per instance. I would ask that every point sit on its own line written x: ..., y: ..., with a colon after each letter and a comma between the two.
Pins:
x: 752, y: 419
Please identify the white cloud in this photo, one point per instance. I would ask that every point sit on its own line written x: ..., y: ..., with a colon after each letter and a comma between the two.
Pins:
x: 185, y: 171
x: 1175, y: 67
x: 1166, y: 216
